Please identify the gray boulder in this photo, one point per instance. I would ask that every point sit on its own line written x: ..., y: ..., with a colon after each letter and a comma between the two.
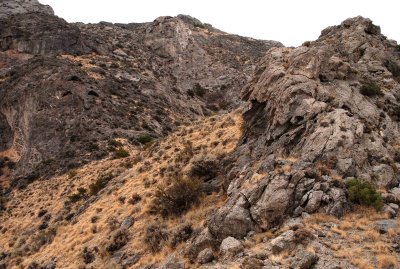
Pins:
x: 230, y: 247
x: 383, y: 226
x: 282, y: 242
x: 303, y: 260
x: 205, y: 256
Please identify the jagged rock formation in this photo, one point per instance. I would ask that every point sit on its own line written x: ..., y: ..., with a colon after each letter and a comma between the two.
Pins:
x: 80, y: 103
x: 67, y: 89
x: 10, y: 7
x: 319, y: 113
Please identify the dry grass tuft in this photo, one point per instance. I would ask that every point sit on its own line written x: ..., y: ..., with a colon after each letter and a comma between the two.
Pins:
x: 387, y: 261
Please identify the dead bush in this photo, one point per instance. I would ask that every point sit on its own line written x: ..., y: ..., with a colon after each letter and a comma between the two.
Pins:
x: 155, y: 237
x: 177, y: 197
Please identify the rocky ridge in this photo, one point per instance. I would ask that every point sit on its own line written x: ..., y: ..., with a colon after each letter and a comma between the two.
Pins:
x: 273, y: 179
x: 10, y: 7
x: 105, y: 81
x: 310, y: 127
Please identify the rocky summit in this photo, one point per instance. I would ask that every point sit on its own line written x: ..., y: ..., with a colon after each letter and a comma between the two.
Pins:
x: 172, y: 144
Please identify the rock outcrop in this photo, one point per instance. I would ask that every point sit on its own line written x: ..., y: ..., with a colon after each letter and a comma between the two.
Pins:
x: 67, y: 90
x: 99, y: 121
x: 11, y: 7
x: 319, y: 114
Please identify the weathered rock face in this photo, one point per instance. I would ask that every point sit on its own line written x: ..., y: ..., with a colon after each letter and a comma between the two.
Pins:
x: 6, y: 134
x: 38, y: 33
x: 11, y: 7
x: 67, y: 89
x: 313, y: 122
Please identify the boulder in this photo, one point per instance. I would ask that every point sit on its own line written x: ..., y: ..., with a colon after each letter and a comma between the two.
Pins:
x: 205, y: 256
x: 283, y: 242
x: 127, y: 222
x: 303, y: 260
x: 233, y: 219
x: 383, y: 226
x: 203, y: 241
x: 230, y: 247
x: 172, y: 263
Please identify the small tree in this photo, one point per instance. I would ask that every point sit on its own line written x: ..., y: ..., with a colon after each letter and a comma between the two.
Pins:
x: 364, y: 193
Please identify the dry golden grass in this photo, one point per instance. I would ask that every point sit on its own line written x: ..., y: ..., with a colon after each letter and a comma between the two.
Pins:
x: 176, y: 151
x: 361, y: 263
x: 346, y: 225
x: 387, y: 261
x: 359, y: 242
x: 371, y: 235
x: 320, y: 218
x: 338, y: 231
x: 280, y: 257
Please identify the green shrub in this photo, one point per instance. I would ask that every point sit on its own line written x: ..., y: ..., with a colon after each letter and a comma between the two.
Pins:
x: 364, y: 193
x: 145, y: 139
x: 121, y: 153
x: 371, y: 89
x: 176, y: 198
x: 100, y: 183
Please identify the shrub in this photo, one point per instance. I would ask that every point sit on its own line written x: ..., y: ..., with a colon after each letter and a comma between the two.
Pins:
x: 190, y: 93
x: 44, y: 237
x: 136, y: 198
x: 371, y: 89
x: 364, y: 193
x: 145, y: 139
x: 121, y: 153
x: 113, y: 144
x: 181, y: 234
x: 2, y: 204
x: 199, y: 90
x: 302, y: 236
x: 155, y: 236
x: 118, y: 240
x: 393, y: 67
x: 72, y: 173
x: 80, y: 194
x: 176, y: 198
x: 205, y: 169
x: 100, y: 183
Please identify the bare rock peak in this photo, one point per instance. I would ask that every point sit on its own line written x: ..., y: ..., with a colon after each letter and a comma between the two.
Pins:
x: 11, y: 7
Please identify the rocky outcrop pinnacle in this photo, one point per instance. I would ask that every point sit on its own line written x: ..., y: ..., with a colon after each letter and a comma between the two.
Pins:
x: 11, y: 7
x: 320, y: 114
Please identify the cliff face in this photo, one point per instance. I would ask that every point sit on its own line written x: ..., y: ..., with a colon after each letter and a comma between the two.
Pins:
x: 319, y: 114
x: 68, y: 89
x: 172, y: 144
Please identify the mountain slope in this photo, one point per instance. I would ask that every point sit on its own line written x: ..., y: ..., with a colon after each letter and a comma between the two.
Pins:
x: 67, y: 90
x: 128, y: 146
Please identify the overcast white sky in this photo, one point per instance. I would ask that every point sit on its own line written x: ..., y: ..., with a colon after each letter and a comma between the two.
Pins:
x: 289, y: 21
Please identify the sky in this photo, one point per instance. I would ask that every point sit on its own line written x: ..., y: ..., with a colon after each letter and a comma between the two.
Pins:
x: 289, y: 21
